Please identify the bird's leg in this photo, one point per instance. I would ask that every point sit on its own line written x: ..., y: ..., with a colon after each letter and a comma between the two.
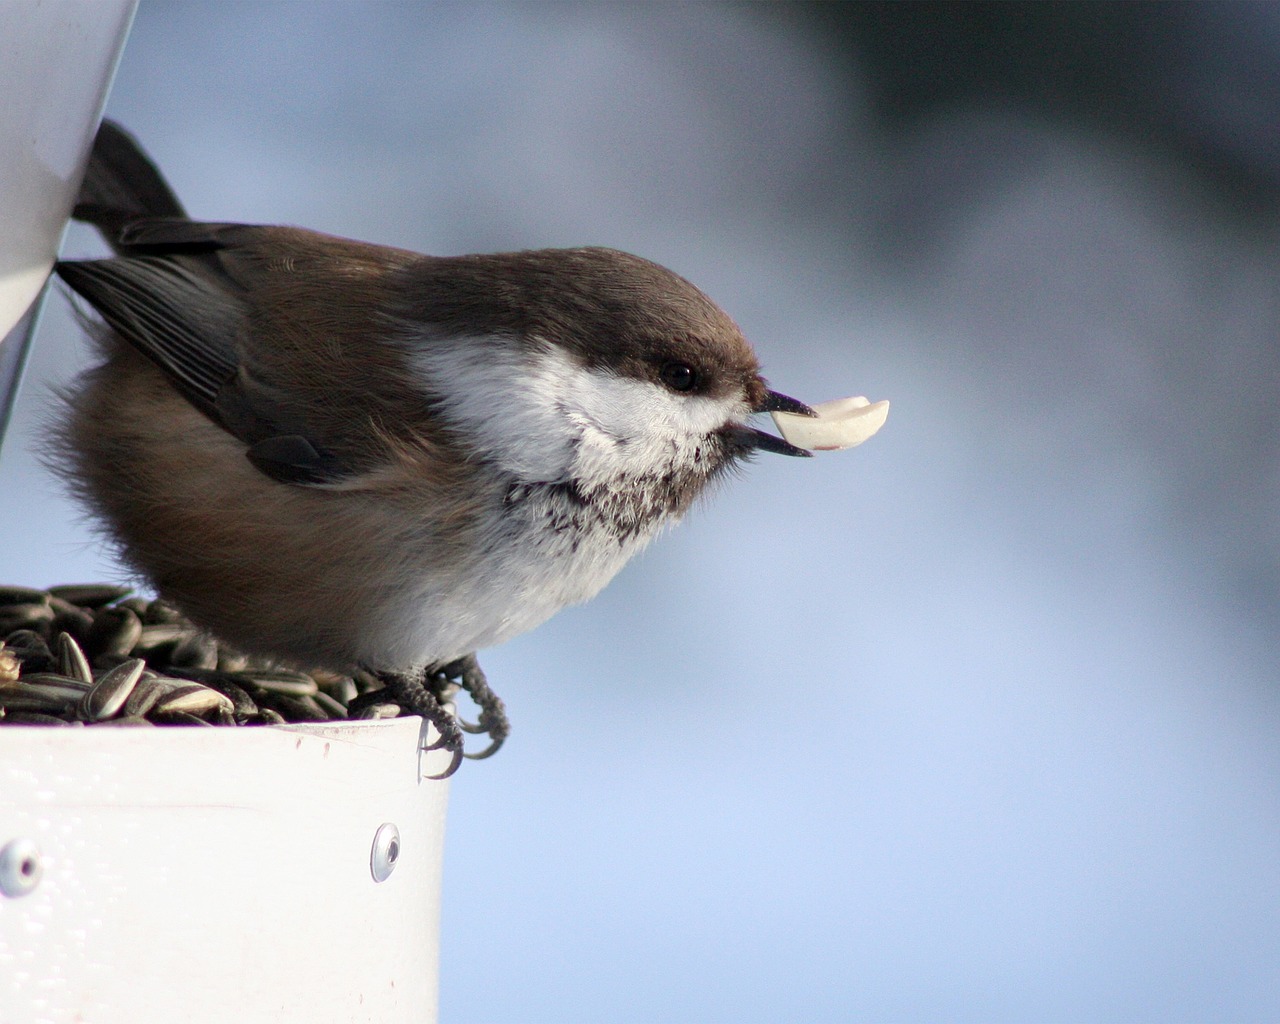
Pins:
x: 429, y: 693
x: 493, y: 716
x: 408, y: 689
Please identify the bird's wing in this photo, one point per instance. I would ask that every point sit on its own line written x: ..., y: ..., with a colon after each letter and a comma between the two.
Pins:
x: 177, y: 304
x: 242, y: 319
x: 168, y: 313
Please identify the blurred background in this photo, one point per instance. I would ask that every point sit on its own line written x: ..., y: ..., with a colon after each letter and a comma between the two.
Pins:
x: 977, y: 722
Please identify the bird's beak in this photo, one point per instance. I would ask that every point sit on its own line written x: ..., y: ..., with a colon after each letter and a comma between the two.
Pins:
x: 758, y: 440
x: 774, y: 402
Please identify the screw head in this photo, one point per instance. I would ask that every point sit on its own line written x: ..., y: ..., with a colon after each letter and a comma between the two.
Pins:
x: 20, y: 867
x: 385, y: 853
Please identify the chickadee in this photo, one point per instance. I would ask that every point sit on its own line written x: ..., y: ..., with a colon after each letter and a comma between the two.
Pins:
x: 345, y: 455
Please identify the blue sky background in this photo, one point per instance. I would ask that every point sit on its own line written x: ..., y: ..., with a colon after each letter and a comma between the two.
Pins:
x: 976, y: 722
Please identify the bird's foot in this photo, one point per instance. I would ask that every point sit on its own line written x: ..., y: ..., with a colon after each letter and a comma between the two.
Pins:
x: 430, y: 694
x: 444, y: 681
x: 407, y: 691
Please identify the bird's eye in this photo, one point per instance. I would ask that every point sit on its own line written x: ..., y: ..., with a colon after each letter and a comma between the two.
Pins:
x: 679, y: 376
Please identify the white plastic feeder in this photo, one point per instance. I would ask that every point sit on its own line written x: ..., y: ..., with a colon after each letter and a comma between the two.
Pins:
x: 57, y: 58
x: 169, y: 875
x: 258, y: 873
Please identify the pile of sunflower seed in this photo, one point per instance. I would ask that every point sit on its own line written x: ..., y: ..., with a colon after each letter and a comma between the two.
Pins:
x: 94, y: 654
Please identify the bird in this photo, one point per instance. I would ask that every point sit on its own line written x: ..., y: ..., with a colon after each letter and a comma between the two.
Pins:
x: 350, y: 456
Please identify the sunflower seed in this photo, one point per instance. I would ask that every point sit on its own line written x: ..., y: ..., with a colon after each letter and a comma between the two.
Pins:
x: 343, y: 690
x: 180, y: 718
x: 110, y: 692
x: 193, y: 700
x: 30, y: 698
x: 159, y: 611
x: 137, y: 605
x: 329, y: 705
x: 376, y: 711
x: 76, y: 622
x: 56, y: 685
x: 145, y: 694
x: 60, y: 606
x: 33, y: 718
x: 21, y: 596
x: 195, y: 651
x: 106, y: 662
x: 31, y: 649
x: 89, y: 595
x: 296, y: 684
x: 71, y: 659
x: 296, y: 708
x: 231, y: 661
x: 97, y: 629
x: 24, y: 616
x: 114, y: 631
x: 242, y: 704
x: 153, y: 635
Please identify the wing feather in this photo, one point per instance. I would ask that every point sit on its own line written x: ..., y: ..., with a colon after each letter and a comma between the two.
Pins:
x: 173, y: 311
x: 170, y: 315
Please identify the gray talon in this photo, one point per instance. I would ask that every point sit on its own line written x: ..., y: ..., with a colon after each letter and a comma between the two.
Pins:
x: 458, y: 755
x: 488, y: 751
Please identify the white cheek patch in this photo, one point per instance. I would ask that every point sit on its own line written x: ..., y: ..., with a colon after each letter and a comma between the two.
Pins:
x: 637, y: 426
x: 502, y: 403
x: 544, y: 417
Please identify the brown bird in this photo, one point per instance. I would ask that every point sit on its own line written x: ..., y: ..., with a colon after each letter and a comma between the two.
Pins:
x: 346, y: 455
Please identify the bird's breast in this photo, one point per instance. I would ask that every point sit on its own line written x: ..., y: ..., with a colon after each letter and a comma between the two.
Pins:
x: 543, y: 547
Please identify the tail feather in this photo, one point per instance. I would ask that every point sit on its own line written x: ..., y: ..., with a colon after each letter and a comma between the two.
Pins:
x: 121, y: 184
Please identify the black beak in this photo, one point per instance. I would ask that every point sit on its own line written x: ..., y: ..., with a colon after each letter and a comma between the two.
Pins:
x: 749, y: 439
x: 758, y: 440
x: 774, y: 402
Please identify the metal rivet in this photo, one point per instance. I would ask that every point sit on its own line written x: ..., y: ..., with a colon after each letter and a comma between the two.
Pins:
x: 20, y: 867
x: 386, y: 852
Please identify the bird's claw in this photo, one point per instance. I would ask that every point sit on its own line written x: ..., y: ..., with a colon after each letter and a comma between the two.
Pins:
x: 442, y: 743
x: 430, y: 694
x: 454, y: 765
x: 488, y: 751
x: 415, y: 699
x: 493, y: 715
